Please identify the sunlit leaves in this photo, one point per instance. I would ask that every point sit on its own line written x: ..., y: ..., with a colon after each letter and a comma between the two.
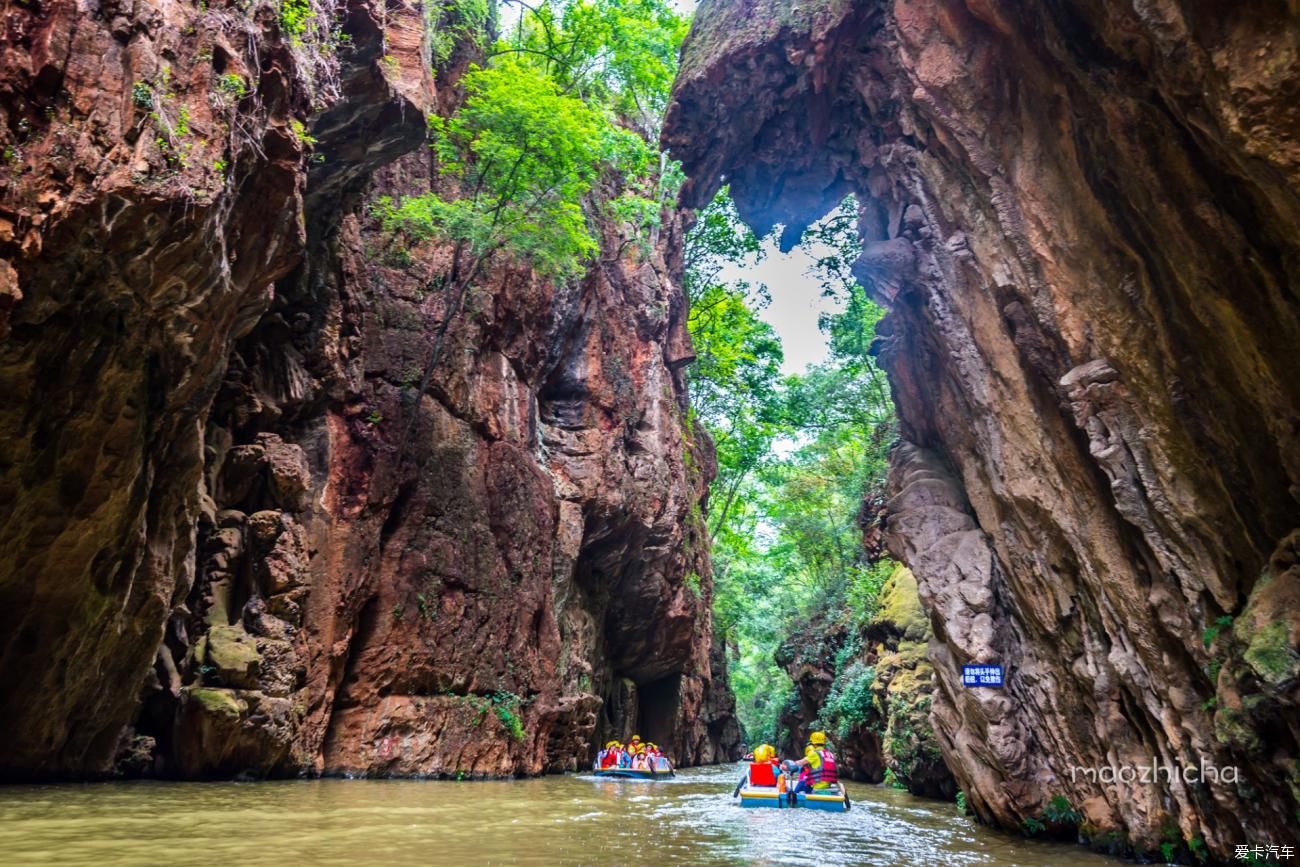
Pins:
x: 619, y: 53
x: 570, y: 96
x: 524, y: 154
x: 796, y: 455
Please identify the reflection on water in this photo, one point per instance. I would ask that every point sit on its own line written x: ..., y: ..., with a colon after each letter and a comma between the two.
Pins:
x: 553, y: 820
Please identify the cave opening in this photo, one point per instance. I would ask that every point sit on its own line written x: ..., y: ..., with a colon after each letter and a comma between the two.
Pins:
x: 658, y: 703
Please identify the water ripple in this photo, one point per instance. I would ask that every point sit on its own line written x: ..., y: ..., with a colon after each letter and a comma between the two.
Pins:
x: 575, y: 819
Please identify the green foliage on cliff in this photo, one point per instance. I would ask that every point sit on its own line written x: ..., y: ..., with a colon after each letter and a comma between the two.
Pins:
x: 449, y: 24
x: 621, y: 54
x: 294, y: 16
x: 544, y: 144
x: 849, y: 703
x: 569, y: 100
x: 527, y: 153
x: 506, y: 707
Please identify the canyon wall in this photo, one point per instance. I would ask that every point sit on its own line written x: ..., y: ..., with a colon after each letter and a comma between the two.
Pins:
x: 238, y: 535
x: 1082, y: 217
x: 870, y: 687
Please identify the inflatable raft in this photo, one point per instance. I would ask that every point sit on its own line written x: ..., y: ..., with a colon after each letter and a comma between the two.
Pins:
x: 663, y: 770
x: 627, y: 773
x: 829, y: 800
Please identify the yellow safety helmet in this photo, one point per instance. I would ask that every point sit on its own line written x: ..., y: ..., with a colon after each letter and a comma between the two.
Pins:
x: 611, y: 745
x: 763, y: 752
x: 636, y: 739
x: 817, y: 739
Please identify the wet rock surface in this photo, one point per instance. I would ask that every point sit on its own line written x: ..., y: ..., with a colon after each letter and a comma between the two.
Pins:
x: 237, y: 536
x: 871, y: 688
x: 1082, y: 217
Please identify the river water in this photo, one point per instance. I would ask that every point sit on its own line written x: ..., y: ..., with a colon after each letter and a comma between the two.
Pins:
x: 573, y: 819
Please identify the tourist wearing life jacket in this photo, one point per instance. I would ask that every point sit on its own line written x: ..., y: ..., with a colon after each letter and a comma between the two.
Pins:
x: 817, y: 767
x: 609, y: 755
x: 765, y: 768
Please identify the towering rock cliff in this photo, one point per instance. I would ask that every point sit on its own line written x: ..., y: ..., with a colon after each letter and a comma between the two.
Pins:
x: 236, y: 535
x: 1083, y: 219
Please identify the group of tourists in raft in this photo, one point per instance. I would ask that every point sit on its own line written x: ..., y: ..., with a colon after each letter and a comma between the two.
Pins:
x: 812, y: 781
x: 636, y: 758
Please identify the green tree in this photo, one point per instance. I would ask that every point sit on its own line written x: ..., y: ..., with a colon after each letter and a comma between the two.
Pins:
x: 735, y: 381
x: 522, y: 155
x: 544, y: 128
x: 734, y: 387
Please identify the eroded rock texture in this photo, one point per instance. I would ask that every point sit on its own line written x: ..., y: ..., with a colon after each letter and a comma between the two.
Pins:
x: 237, y: 537
x: 1083, y: 219
x: 872, y: 687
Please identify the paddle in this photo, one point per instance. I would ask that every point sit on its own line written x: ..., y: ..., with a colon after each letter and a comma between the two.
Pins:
x: 792, y: 797
x: 743, y: 777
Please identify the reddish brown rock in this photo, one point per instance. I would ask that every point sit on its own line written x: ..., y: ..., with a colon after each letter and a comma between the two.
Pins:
x: 1083, y: 219
x: 516, y: 518
x: 235, y: 534
x: 870, y: 687
x: 145, y: 213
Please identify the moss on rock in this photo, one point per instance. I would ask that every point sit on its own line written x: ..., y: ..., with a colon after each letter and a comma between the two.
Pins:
x: 1271, y: 654
x: 1233, y: 728
x: 217, y: 702
x: 233, y: 655
x: 900, y: 605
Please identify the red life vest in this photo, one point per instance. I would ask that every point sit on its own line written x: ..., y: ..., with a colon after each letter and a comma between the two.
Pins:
x: 827, y: 772
x: 762, y: 774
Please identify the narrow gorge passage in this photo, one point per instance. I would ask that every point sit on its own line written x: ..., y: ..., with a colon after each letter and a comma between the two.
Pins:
x: 392, y: 390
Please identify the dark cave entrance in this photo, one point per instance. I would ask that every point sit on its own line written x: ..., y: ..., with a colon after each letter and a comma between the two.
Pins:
x: 651, y: 710
x: 657, y: 710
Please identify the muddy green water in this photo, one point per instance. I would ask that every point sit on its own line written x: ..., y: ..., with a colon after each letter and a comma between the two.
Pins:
x: 573, y: 819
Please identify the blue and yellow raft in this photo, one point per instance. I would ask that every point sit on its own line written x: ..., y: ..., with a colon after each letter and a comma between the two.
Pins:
x: 832, y: 800
x: 663, y: 769
x: 629, y: 773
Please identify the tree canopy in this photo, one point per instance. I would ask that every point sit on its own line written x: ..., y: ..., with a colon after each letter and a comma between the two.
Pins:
x: 571, y: 94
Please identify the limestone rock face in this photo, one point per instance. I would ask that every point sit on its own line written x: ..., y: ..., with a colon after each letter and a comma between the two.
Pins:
x: 237, y: 536
x: 1083, y: 219
x: 871, y: 688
